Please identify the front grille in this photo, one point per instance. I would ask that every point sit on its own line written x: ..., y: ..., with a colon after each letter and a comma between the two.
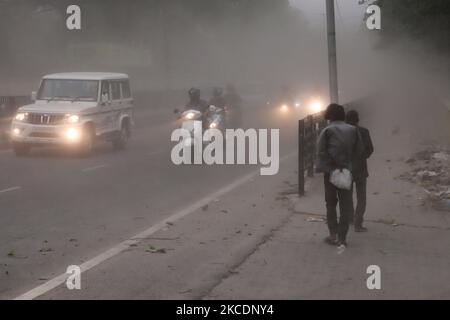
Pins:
x: 45, y: 119
x: 43, y: 135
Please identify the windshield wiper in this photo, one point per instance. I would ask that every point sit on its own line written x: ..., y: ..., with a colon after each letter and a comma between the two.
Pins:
x: 79, y: 98
x: 54, y: 98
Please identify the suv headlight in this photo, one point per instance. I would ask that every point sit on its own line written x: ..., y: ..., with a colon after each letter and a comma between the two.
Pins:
x: 21, y: 116
x: 72, y: 118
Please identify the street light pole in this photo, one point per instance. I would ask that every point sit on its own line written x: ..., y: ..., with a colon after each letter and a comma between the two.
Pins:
x: 332, y: 60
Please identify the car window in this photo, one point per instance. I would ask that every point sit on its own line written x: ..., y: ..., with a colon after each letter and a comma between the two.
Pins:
x: 126, y: 92
x: 115, y: 90
x: 105, y: 91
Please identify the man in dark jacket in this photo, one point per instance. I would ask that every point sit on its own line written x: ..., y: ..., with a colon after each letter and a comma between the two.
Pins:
x: 338, y: 144
x: 360, y: 172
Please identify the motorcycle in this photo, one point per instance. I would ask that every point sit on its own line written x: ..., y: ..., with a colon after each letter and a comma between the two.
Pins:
x: 191, y: 121
x: 215, y: 118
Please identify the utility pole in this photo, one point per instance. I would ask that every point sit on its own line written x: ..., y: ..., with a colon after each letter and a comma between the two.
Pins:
x: 332, y: 60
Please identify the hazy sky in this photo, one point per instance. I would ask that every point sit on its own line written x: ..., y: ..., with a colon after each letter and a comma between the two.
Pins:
x: 348, y: 12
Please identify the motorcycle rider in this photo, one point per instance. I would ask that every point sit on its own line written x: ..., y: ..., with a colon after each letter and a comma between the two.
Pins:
x: 233, y: 102
x: 217, y: 99
x: 195, y: 101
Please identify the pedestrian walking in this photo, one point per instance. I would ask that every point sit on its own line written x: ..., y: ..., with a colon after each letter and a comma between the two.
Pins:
x: 360, y: 172
x: 338, y: 144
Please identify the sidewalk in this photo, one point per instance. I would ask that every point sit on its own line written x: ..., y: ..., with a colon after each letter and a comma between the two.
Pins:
x: 409, y: 241
x: 296, y: 264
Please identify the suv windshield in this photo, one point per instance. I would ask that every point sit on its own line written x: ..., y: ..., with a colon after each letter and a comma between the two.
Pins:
x: 71, y: 90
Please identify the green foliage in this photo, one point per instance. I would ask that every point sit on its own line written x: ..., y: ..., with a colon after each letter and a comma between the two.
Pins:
x: 427, y: 20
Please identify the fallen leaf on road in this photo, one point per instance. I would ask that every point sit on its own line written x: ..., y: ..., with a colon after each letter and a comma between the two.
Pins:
x: 185, y: 291
x: 12, y: 254
x: 162, y: 250
x: 205, y: 207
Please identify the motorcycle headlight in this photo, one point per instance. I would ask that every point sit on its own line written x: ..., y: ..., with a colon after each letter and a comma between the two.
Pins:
x: 316, y: 106
x: 72, y: 119
x: 20, y: 116
x: 213, y: 125
x: 284, y: 108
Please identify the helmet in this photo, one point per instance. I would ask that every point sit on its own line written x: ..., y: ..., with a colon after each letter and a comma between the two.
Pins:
x: 194, y: 94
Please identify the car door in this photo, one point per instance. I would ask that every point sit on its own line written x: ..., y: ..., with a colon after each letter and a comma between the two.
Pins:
x: 127, y: 99
x: 116, y: 106
x: 102, y: 121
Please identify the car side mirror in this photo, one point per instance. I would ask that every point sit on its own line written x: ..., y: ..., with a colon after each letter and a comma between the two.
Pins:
x: 33, y: 96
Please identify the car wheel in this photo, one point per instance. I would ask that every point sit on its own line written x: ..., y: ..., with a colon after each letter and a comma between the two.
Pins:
x: 21, y: 149
x: 121, y: 140
x: 87, y: 143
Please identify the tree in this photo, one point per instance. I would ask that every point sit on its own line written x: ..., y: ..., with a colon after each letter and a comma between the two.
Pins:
x: 422, y: 20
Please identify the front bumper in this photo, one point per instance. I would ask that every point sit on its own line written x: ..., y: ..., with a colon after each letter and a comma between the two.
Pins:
x: 45, y: 134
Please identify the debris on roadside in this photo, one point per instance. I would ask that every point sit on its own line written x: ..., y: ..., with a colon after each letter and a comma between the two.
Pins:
x: 44, y: 250
x: 313, y: 219
x: 152, y: 249
x: 430, y: 169
x: 12, y: 254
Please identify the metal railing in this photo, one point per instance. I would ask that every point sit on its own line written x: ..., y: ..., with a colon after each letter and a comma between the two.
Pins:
x: 9, y: 104
x: 8, y: 107
x: 309, y: 129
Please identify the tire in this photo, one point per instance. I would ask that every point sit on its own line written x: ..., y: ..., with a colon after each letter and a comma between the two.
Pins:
x: 87, y: 144
x: 121, y: 140
x: 21, y: 149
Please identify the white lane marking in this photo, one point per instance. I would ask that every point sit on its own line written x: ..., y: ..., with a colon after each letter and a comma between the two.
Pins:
x: 94, y: 168
x: 10, y: 189
x: 59, y: 280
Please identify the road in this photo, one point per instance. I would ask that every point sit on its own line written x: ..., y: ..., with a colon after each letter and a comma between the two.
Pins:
x: 58, y: 210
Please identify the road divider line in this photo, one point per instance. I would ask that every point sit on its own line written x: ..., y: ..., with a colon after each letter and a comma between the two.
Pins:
x: 94, y: 168
x: 10, y: 189
x: 59, y: 280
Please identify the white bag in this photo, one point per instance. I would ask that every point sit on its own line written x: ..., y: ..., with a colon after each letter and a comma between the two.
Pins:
x: 341, y: 179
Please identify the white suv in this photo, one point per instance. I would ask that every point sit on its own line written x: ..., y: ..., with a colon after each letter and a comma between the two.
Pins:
x: 75, y: 109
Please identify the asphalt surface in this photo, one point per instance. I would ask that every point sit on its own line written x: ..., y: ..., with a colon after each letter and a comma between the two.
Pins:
x: 57, y: 209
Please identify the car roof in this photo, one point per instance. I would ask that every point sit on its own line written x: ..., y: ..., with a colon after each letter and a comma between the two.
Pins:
x: 87, y: 76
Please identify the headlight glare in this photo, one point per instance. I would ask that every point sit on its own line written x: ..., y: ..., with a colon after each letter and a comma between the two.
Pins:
x: 20, y: 116
x: 72, y: 118
x: 72, y: 134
